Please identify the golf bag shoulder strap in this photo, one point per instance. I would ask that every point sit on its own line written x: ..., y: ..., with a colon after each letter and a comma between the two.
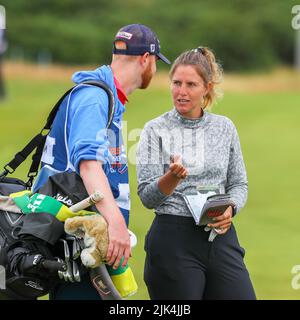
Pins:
x: 99, y: 84
x: 38, y: 141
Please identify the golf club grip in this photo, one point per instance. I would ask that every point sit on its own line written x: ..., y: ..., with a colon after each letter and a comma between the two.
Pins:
x: 87, y: 202
x: 54, y: 266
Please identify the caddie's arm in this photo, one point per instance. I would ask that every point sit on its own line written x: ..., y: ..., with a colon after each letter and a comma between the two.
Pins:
x: 94, y: 178
x: 169, y: 181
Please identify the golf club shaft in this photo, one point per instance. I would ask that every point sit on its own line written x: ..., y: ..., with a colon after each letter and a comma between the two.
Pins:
x: 92, y: 199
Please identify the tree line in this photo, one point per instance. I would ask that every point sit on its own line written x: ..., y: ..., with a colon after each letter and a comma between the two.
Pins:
x: 245, y: 34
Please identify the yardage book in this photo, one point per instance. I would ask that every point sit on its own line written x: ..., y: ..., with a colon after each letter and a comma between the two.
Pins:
x: 205, y: 206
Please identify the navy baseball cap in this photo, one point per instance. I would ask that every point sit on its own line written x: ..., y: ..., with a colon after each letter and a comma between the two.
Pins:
x: 139, y: 39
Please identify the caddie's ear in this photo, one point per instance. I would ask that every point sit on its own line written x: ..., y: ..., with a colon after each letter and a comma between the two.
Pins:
x: 144, y: 58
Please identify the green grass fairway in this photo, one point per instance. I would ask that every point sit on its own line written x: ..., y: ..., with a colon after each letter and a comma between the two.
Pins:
x: 268, y: 126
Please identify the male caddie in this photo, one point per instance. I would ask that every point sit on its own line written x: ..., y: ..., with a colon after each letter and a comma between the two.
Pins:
x: 79, y: 141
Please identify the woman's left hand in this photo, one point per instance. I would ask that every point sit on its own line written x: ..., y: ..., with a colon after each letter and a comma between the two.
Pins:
x: 222, y: 223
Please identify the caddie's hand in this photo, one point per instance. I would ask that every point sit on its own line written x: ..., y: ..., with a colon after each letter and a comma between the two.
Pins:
x: 176, y: 167
x: 119, y: 243
x: 222, y: 223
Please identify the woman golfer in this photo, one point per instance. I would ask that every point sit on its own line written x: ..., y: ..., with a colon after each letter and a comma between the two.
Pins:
x: 189, y: 151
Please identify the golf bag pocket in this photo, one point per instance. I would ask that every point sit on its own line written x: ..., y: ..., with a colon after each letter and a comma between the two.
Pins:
x: 66, y: 187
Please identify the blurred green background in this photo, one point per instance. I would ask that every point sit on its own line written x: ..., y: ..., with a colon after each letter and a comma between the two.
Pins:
x: 247, y: 34
x: 254, y: 41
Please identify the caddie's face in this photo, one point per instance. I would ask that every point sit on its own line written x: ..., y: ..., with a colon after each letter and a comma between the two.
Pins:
x: 188, y: 90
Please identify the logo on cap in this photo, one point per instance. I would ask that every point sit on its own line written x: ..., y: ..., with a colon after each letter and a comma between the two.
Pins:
x: 123, y: 34
x: 152, y: 47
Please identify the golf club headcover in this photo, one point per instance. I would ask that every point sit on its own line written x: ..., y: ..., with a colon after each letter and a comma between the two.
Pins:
x: 123, y: 280
x: 93, y: 229
x: 29, y: 202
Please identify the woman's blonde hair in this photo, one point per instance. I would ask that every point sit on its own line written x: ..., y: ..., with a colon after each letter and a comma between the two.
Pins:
x: 204, y: 61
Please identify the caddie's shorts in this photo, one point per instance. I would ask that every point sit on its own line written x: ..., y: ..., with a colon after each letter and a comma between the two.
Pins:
x: 182, y: 264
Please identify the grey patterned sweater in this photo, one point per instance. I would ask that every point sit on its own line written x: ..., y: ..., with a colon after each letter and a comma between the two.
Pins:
x: 210, y: 150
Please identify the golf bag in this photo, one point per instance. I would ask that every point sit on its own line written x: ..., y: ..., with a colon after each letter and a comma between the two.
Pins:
x: 29, y: 250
